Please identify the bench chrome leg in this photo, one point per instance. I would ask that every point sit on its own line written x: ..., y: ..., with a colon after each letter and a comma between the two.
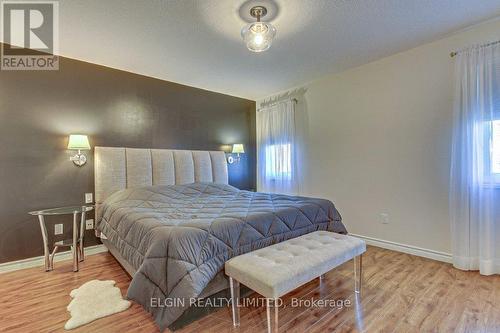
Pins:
x: 272, y: 323
x: 235, y: 299
x: 276, y: 308
x: 358, y: 273
x: 268, y: 312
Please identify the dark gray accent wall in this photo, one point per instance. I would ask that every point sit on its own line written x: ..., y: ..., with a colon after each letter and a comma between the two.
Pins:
x: 39, y: 109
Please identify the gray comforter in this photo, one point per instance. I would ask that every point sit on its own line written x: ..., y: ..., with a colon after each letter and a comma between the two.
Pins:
x: 178, y: 237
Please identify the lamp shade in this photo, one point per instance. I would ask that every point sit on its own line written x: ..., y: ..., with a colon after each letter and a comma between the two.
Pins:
x: 238, y: 148
x: 258, y: 36
x: 78, y: 142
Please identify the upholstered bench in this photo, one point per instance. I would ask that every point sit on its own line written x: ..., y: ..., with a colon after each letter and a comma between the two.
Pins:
x: 275, y: 270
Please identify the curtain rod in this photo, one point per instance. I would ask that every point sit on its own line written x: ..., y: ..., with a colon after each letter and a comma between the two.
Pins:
x: 264, y: 105
x: 292, y: 95
x: 452, y: 54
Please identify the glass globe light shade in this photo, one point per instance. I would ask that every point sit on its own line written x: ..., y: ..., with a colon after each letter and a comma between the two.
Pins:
x: 258, y: 36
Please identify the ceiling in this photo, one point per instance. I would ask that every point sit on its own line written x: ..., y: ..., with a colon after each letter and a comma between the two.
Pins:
x: 198, y: 43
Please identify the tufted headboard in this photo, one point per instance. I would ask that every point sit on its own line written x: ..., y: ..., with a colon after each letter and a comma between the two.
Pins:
x: 120, y: 168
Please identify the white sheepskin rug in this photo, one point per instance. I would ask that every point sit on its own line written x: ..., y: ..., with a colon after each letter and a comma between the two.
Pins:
x: 93, y: 300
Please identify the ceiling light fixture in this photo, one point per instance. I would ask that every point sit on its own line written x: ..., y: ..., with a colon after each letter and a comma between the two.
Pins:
x: 258, y: 36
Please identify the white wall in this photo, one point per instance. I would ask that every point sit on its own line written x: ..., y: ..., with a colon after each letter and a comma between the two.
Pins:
x: 379, y: 141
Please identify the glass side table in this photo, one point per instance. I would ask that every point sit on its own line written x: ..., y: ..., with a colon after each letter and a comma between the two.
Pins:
x: 76, y: 243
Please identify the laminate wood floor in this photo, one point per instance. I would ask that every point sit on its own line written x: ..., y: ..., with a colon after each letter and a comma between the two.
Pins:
x: 401, y: 293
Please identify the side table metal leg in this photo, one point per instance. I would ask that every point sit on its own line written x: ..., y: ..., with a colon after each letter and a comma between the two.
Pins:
x: 74, y: 248
x: 81, y: 255
x: 47, y: 258
x: 53, y: 254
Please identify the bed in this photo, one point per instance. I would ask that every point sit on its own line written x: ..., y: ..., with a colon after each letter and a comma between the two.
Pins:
x: 172, y: 220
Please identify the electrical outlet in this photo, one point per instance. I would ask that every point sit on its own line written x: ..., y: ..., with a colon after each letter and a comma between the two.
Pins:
x: 384, y: 218
x: 89, y: 198
x: 89, y: 224
x: 58, y: 229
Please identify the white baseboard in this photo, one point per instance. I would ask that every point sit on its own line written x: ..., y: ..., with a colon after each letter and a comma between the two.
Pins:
x: 410, y: 249
x: 39, y: 261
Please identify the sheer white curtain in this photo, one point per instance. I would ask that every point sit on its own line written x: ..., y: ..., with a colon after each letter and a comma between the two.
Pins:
x: 278, y: 148
x: 475, y: 161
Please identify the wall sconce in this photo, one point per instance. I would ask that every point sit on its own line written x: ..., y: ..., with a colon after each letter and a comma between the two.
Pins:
x: 237, y: 149
x: 78, y: 142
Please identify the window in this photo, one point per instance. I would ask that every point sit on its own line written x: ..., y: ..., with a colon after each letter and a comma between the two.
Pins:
x: 495, y: 148
x: 491, y: 153
x: 279, y: 161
